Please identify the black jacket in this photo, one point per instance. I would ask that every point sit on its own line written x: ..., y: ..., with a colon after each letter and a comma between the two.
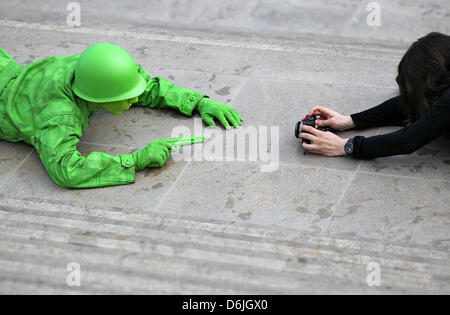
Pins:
x: 403, y: 141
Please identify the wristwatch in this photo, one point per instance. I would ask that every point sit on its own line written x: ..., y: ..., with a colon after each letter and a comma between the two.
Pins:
x: 349, y: 147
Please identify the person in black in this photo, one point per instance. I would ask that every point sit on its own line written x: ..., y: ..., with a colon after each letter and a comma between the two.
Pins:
x: 422, y: 108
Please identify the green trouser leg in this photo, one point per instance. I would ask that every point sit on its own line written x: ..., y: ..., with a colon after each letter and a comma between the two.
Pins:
x: 4, y: 59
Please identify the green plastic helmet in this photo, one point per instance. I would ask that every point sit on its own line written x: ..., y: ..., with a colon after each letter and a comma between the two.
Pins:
x: 107, y: 73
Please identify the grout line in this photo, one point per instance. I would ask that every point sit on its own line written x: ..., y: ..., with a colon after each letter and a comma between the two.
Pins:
x: 301, y: 165
x: 344, y: 192
x: 238, y: 91
x: 171, y: 187
x: 364, y: 161
x: 259, y: 76
x: 336, y: 170
x: 348, y: 184
x: 365, y: 172
x: 406, y: 177
x: 21, y: 163
x: 254, y: 9
x: 8, y: 175
x: 353, y: 17
x: 244, y: 82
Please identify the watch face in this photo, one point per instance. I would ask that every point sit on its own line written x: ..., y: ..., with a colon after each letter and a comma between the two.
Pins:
x: 349, y: 147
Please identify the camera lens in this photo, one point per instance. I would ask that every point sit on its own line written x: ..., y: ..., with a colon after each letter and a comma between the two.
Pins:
x: 298, y: 128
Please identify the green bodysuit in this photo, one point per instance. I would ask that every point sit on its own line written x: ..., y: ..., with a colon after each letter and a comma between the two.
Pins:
x: 37, y: 106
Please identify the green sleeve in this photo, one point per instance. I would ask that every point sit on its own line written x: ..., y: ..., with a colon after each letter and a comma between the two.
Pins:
x: 56, y: 143
x: 161, y: 93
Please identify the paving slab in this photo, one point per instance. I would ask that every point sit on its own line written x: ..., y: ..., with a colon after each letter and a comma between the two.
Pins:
x: 281, y: 103
x: 341, y: 70
x: 31, y: 182
x: 242, y: 193
x: 432, y: 161
x: 395, y: 209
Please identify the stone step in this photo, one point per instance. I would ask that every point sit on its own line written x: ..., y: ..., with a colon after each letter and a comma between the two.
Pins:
x: 400, y: 21
x: 297, y: 58
x: 43, y: 237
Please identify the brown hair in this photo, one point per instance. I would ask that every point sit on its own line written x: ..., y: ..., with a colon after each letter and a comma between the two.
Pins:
x: 424, y: 74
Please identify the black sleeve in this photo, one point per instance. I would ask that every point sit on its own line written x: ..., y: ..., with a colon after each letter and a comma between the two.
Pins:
x: 409, y: 139
x: 385, y: 114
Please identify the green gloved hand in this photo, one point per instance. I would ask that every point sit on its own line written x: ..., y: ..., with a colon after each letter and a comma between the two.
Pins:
x: 210, y: 109
x: 155, y: 154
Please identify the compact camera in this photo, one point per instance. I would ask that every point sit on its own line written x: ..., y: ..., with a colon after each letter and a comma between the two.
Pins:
x: 309, y: 121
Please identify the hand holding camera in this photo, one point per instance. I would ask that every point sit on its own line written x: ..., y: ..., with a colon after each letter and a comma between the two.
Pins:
x: 329, y: 118
x: 307, y: 121
x: 313, y: 130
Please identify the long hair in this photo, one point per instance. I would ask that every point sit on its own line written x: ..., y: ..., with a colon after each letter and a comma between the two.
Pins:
x: 424, y: 74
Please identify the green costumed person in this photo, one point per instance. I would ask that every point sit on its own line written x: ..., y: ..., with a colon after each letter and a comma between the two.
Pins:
x: 49, y: 102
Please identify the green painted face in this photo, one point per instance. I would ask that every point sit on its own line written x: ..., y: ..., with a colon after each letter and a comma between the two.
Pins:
x: 117, y: 108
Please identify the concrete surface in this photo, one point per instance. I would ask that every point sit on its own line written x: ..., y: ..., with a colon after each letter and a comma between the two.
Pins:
x: 312, y: 226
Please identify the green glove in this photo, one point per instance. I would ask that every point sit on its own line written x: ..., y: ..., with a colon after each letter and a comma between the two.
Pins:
x: 210, y: 109
x: 155, y: 154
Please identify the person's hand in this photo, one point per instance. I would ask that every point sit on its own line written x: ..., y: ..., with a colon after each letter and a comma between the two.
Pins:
x: 210, y: 109
x: 330, y: 118
x: 325, y: 143
x: 155, y: 154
